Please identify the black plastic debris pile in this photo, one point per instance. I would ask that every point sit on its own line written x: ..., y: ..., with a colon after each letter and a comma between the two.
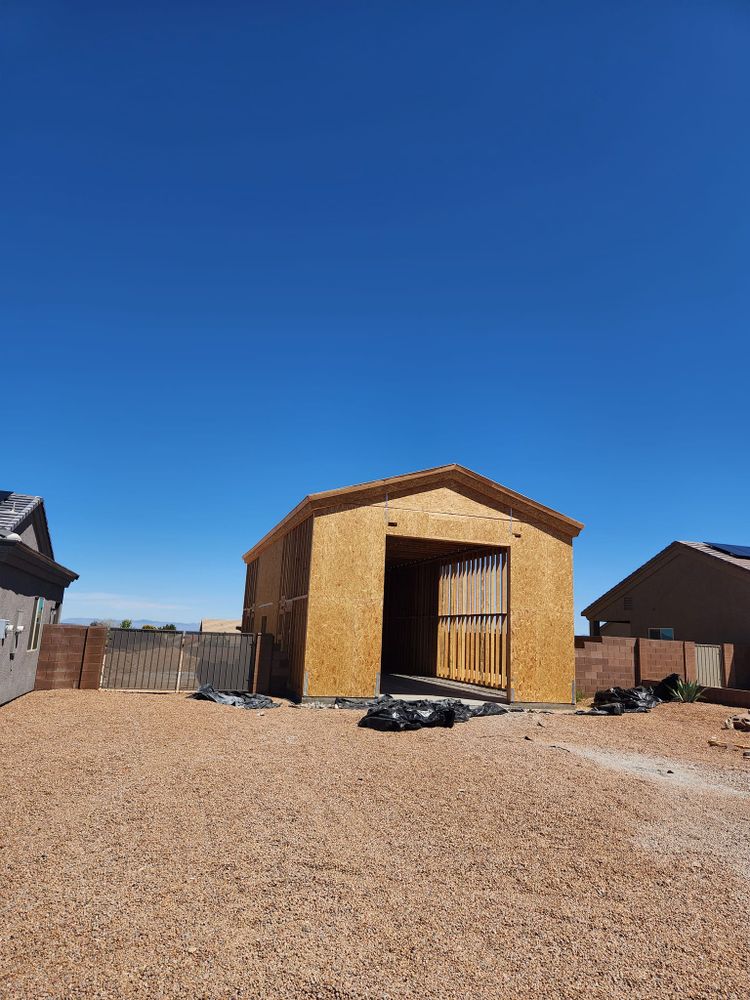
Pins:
x: 393, y: 715
x: 644, y: 697
x: 238, y: 699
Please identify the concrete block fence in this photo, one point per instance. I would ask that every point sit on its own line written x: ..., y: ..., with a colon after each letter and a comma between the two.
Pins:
x: 606, y: 661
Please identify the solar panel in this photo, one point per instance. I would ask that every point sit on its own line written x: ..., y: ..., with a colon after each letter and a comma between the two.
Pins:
x: 738, y: 551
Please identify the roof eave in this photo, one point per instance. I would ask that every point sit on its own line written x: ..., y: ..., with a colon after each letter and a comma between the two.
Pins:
x: 316, y: 503
x: 28, y: 559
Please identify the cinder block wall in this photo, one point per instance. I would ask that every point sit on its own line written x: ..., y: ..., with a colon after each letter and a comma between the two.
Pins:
x: 603, y: 662
x: 70, y: 656
x: 657, y: 658
x: 607, y: 661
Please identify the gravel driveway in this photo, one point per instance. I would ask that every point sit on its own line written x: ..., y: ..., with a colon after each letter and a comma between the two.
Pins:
x: 153, y: 846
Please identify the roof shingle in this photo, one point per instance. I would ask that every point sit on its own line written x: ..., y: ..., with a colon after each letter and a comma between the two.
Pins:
x: 15, y: 508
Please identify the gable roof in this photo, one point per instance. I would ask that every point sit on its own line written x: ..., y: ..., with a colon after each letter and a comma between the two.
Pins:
x: 15, y: 507
x: 656, y: 563
x: 18, y: 508
x: 413, y: 482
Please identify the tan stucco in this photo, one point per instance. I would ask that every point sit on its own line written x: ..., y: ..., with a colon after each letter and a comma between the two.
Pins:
x: 702, y: 598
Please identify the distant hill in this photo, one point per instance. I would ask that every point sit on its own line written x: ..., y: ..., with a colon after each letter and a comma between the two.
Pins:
x: 137, y: 623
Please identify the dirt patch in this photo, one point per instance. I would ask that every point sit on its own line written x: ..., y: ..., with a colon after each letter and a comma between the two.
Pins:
x: 160, y: 847
x: 671, y: 775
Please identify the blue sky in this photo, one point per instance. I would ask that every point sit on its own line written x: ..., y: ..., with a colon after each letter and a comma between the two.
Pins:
x: 250, y: 251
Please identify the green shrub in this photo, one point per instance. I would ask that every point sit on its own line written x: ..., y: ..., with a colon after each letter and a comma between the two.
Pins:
x: 688, y: 691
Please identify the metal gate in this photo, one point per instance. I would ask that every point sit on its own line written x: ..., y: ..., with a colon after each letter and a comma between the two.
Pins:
x: 709, y: 662
x: 139, y: 660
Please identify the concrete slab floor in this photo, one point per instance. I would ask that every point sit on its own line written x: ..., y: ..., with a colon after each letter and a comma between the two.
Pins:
x: 413, y: 686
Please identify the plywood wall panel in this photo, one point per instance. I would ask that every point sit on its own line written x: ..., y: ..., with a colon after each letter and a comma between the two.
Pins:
x: 267, y: 587
x: 345, y: 612
x: 293, y: 596
x: 345, y: 609
x: 542, y: 656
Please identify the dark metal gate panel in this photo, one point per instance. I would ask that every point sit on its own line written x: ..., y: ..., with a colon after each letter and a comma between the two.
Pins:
x: 222, y: 659
x: 145, y: 661
x: 139, y: 660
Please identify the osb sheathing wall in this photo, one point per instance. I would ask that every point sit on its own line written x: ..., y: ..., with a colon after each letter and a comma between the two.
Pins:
x: 345, y: 607
x: 267, y: 587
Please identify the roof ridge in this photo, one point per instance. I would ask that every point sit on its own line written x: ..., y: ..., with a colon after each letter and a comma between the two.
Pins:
x: 315, y: 503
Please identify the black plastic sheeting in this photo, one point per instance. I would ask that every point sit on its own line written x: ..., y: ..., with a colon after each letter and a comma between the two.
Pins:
x: 362, y: 703
x: 394, y: 715
x: 644, y: 697
x: 238, y: 699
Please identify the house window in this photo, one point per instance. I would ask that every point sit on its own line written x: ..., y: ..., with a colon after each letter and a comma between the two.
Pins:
x: 36, y: 623
x: 661, y: 633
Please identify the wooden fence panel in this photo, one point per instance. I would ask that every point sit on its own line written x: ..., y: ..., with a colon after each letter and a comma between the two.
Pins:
x: 472, y: 614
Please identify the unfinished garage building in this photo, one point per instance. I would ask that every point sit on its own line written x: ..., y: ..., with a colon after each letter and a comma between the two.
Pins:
x: 441, y: 574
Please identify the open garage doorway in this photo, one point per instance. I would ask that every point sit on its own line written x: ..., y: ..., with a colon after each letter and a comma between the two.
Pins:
x: 445, y: 615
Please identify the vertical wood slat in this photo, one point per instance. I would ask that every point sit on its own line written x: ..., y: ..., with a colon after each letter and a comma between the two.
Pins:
x: 248, y: 606
x: 293, y: 588
x: 413, y: 641
x: 472, y: 620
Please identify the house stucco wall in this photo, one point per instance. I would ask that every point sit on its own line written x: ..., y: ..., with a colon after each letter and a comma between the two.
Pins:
x: 702, y: 598
x: 17, y: 593
x: 29, y: 536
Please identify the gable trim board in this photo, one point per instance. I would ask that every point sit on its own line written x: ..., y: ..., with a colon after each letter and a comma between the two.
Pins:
x: 381, y: 491
x: 23, y: 557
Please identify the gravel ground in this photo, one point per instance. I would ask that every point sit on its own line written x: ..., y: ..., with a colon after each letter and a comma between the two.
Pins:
x: 152, y: 846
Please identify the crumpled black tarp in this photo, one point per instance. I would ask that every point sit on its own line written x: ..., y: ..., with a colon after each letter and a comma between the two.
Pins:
x: 644, y: 697
x: 389, y: 714
x: 360, y: 703
x: 238, y: 699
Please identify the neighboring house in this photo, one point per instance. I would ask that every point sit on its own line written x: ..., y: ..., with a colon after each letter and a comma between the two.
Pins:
x: 690, y: 591
x: 221, y: 625
x: 442, y: 574
x: 32, y: 586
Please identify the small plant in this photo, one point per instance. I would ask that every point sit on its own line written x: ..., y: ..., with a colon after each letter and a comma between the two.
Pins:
x: 580, y: 696
x: 687, y: 691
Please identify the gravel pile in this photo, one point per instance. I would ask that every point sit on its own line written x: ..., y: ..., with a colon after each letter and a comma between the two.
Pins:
x: 153, y: 846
